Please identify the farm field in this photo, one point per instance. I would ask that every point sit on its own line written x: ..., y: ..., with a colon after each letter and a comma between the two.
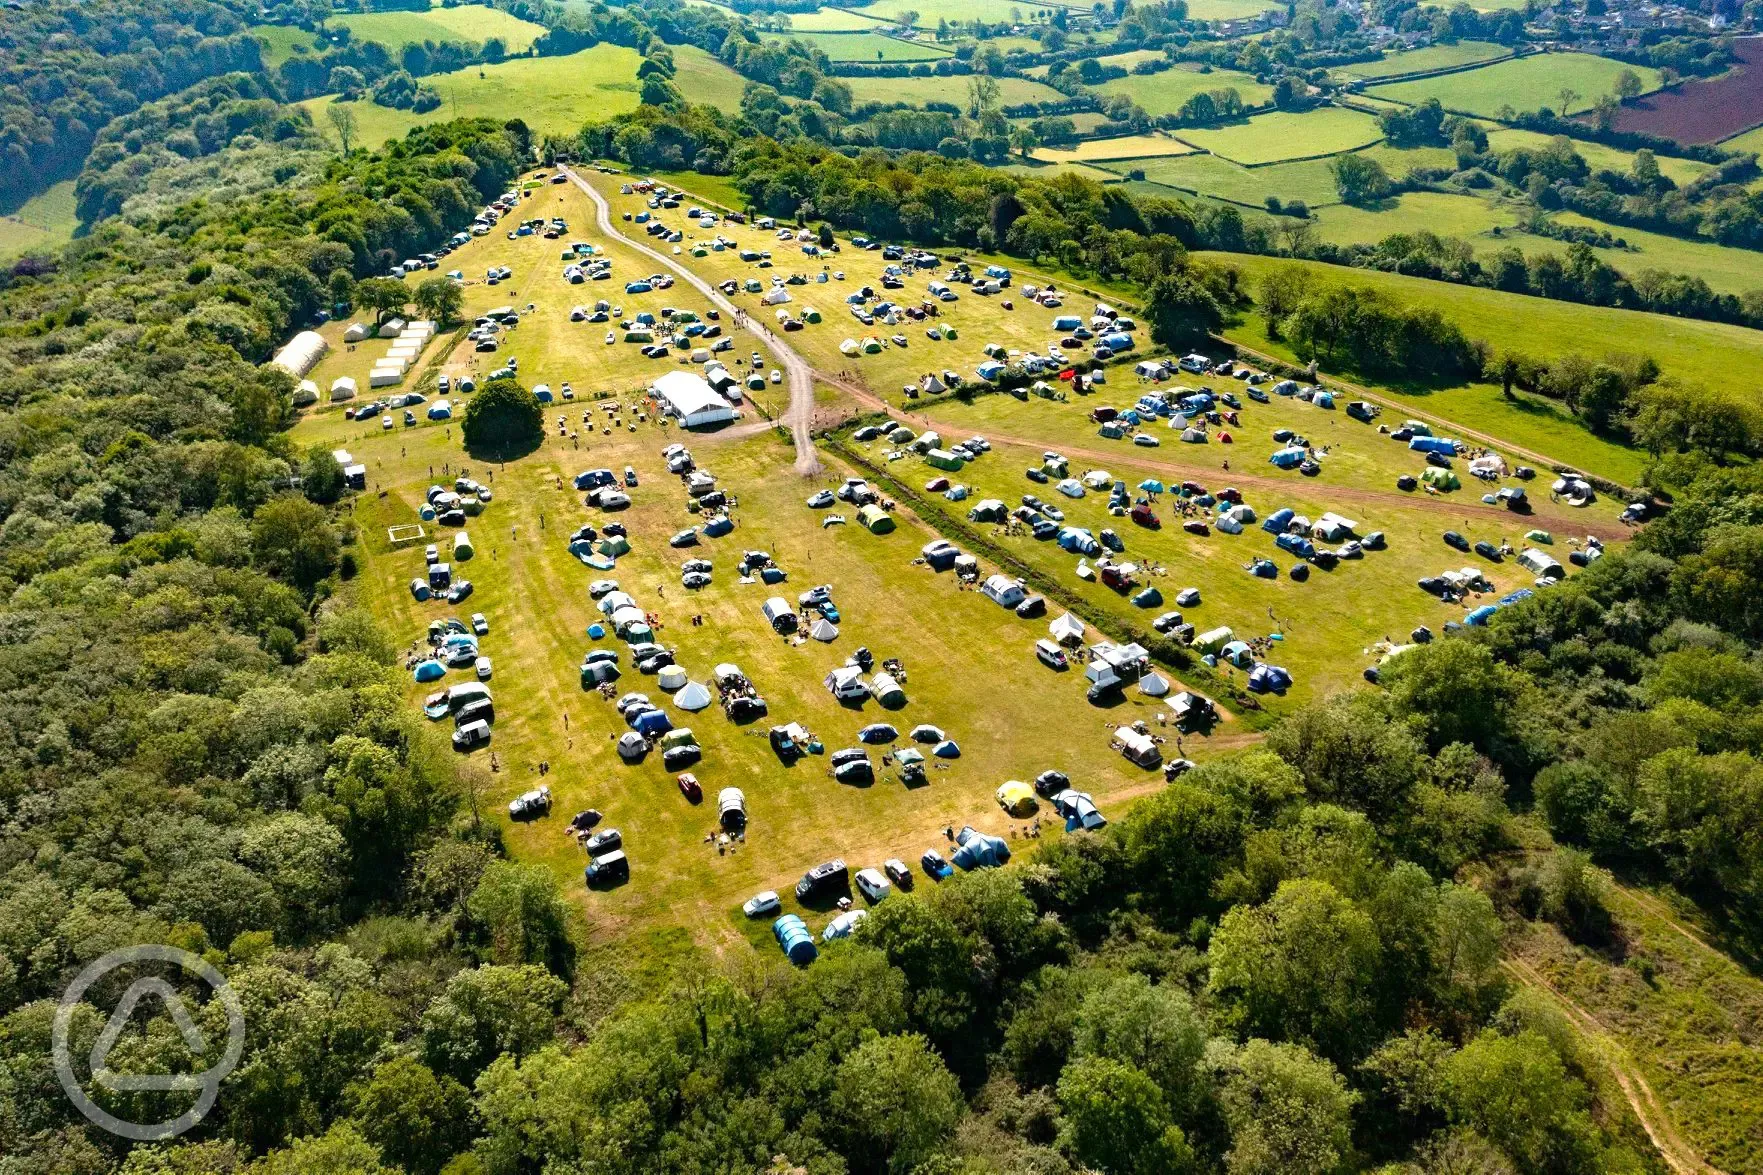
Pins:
x: 1432, y: 57
x: 45, y: 221
x: 1469, y: 217
x: 1163, y: 93
x: 918, y: 91
x: 1125, y: 60
x: 467, y: 22
x: 1309, y: 180
x: 1685, y: 348
x: 1126, y: 147
x: 1704, y: 111
x: 930, y: 12
x: 1085, y: 121
x: 1227, y: 9
x: 1047, y: 170
x: 1727, y: 270
x: 1281, y: 135
x: 1528, y: 83
x: 865, y: 46
x: 555, y: 95
x: 1596, y: 155
x: 834, y: 20
x: 1751, y: 140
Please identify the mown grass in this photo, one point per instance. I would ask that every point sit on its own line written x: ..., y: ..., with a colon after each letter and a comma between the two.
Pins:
x: 865, y: 46
x: 1528, y: 83
x: 1164, y: 93
x: 1469, y: 217
x: 1270, y: 138
x: 1422, y: 60
x: 1309, y: 180
x: 917, y: 91
x: 1125, y: 148
x: 45, y: 221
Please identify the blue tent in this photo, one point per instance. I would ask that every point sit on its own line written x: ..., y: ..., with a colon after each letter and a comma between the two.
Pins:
x: 652, y: 722
x: 1433, y: 445
x: 542, y: 394
x: 1118, y: 341
x: 1151, y: 484
x: 947, y: 749
x: 596, y: 631
x: 430, y: 670
x: 1514, y: 597
x: 1479, y: 616
x: 989, y: 370
x: 1323, y: 400
x: 793, y: 936
x: 637, y: 287
x: 1148, y: 598
x: 718, y: 526
x: 979, y: 851
x: 1278, y: 520
x: 877, y: 732
x: 1067, y: 322
x: 1297, y: 544
x: 1289, y: 457
x: 1237, y: 653
x: 1078, y: 541
x: 1269, y: 679
x: 440, y: 412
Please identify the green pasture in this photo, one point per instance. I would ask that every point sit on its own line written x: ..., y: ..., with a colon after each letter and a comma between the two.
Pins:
x: 1084, y: 121
x: 930, y: 12
x: 1125, y: 148
x: 1528, y: 83
x: 1309, y: 180
x: 466, y: 22
x: 1726, y: 269
x: 1163, y: 93
x: 1042, y: 169
x: 1596, y: 155
x: 834, y: 20
x: 1227, y: 9
x: 1470, y: 217
x: 1280, y: 135
x: 282, y: 41
x: 45, y: 221
x: 1751, y: 140
x: 865, y: 46
x: 917, y: 91
x: 1125, y: 60
x: 1432, y: 57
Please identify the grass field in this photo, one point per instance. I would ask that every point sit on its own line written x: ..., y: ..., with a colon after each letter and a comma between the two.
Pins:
x: 1041, y: 170
x: 1727, y: 270
x: 932, y: 11
x: 1125, y: 60
x: 917, y: 91
x: 866, y: 46
x: 1528, y: 83
x: 555, y: 95
x: 834, y: 20
x: 1127, y: 147
x: 467, y: 22
x: 45, y: 221
x: 1227, y: 9
x: 1086, y: 121
x: 1270, y: 138
x: 1309, y: 180
x: 1751, y: 140
x: 1163, y: 93
x: 1596, y: 155
x: 1543, y: 328
x: 1423, y: 60
x: 1469, y: 217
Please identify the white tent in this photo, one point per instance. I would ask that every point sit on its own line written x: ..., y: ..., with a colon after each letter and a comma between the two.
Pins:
x: 631, y: 746
x: 671, y: 678
x: 1153, y: 684
x: 689, y: 397
x: 1067, y: 629
x: 824, y: 630
x: 343, y: 388
x: 306, y: 394
x: 356, y: 332
x: 693, y: 697
x: 301, y: 353
x: 777, y: 296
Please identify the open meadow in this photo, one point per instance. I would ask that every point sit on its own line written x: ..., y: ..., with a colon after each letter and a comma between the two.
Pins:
x: 917, y: 91
x: 1123, y: 147
x: 45, y: 221
x: 1163, y: 93
x: 866, y: 46
x: 1433, y: 57
x: 1597, y: 155
x: 1284, y: 134
x: 1309, y: 180
x: 1527, y: 83
x: 462, y: 23
x: 1473, y: 218
x: 836, y: 20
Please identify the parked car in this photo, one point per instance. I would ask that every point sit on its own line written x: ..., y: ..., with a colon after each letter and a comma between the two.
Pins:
x: 934, y: 866
x: 690, y: 788
x: 483, y: 668
x: 823, y: 878
x: 603, y: 841
x: 872, y: 885
x: 479, y: 623
x: 1456, y: 541
x: 761, y: 905
x: 897, y: 872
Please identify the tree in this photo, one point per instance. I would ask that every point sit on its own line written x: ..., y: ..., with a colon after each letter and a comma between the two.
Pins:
x: 1024, y: 140
x: 1114, y: 1118
x: 1567, y: 96
x: 1302, y: 965
x: 342, y: 120
x: 321, y: 478
x: 487, y: 1011
x: 1516, y: 1092
x: 1359, y: 179
x: 417, y: 1120
x: 1153, y: 1029
x: 1181, y: 310
x: 522, y: 916
x: 1288, y: 1110
x: 440, y: 298
x: 347, y: 83
x: 292, y: 538
x: 897, y: 1100
x: 1279, y: 294
x: 382, y: 295
x: 1456, y: 690
x: 502, y: 418
x: 340, y: 1151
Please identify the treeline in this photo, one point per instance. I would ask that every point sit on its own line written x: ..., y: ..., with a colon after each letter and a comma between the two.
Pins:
x: 64, y: 74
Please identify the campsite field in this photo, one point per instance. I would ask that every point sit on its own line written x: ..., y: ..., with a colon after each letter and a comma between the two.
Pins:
x: 866, y: 46
x: 1527, y: 83
x: 1163, y: 93
x: 1433, y: 57
x: 1281, y: 135
x: 45, y: 221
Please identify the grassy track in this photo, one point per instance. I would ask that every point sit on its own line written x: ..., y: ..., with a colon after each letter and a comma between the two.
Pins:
x: 45, y: 221
x: 1423, y: 60
x: 1528, y: 83
x: 1163, y: 93
x: 1270, y: 138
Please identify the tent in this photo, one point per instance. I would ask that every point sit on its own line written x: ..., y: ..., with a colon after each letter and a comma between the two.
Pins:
x: 824, y: 630
x: 1067, y: 629
x: 1153, y: 684
x: 355, y: 332
x: 679, y: 736
x: 1151, y: 485
x: 1237, y: 653
x: 1150, y: 597
x: 978, y: 851
x: 1079, y: 810
x: 947, y: 749
x: 672, y: 678
x: 305, y: 394
x: 693, y: 697
x: 1214, y: 639
x: 343, y: 388
x: 1440, y: 479
x: 875, y: 520
x: 430, y: 670
x: 1269, y: 679
x: 654, y: 722
x: 793, y: 936
x: 631, y: 747
x: 887, y: 691
x: 877, y: 732
x: 1289, y: 457
x: 926, y: 734
x: 1016, y: 798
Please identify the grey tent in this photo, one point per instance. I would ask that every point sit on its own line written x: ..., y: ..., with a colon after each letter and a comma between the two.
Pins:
x: 631, y: 747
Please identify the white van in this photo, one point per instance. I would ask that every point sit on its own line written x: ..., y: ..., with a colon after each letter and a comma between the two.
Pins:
x: 470, y: 735
x: 1051, y: 655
